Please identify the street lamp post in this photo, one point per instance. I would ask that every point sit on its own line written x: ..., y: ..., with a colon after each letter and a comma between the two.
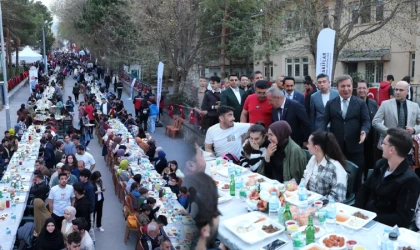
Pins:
x: 43, y: 41
x: 3, y: 62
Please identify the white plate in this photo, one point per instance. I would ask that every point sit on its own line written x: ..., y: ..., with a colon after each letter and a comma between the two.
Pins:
x: 255, y: 234
x: 408, y: 238
x: 20, y: 199
x: 293, y: 197
x: 353, y: 222
x: 333, y: 248
x: 221, y: 184
x: 224, y: 197
x: 320, y: 233
x: 170, y: 233
x: 318, y: 246
x: 25, y: 178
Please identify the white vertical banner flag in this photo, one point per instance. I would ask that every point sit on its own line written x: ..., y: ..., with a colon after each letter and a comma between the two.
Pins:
x: 159, y: 83
x: 325, y: 52
x: 33, y: 78
x: 132, y: 88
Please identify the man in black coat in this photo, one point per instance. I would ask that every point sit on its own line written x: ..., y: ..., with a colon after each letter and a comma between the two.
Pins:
x: 349, y: 121
x: 107, y: 81
x: 232, y: 97
x: 371, y: 141
x: 291, y: 111
x: 393, y: 188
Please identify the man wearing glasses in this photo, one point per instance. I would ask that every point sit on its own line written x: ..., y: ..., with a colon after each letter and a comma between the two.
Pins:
x: 393, y: 189
x: 397, y: 113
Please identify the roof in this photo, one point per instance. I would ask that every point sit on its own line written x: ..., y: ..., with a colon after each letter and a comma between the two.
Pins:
x: 364, y: 55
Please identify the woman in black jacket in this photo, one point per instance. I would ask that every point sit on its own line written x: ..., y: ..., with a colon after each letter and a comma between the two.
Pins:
x: 99, y: 198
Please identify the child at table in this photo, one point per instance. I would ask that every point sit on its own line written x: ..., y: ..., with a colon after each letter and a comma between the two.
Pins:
x: 183, y: 196
x: 152, y: 202
x: 144, y: 215
x: 173, y: 184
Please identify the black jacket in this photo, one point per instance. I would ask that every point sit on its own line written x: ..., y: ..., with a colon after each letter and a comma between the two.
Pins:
x: 347, y: 131
x: 228, y: 98
x: 392, y: 198
x: 40, y: 190
x: 295, y: 114
x: 82, y: 206
x: 210, y: 100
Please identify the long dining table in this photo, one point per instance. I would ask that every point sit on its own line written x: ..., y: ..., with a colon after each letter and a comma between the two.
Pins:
x: 19, y: 174
x: 235, y: 207
x: 181, y: 229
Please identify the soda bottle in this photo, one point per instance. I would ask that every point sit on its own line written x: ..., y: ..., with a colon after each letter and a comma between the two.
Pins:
x: 310, y: 231
x: 232, y: 185
x: 287, y: 214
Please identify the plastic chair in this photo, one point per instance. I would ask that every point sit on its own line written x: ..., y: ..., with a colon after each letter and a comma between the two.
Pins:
x: 169, y: 127
x: 177, y: 127
x: 130, y: 229
x: 352, y: 170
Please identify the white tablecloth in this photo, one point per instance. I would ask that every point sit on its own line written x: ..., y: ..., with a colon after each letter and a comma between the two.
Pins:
x: 30, y: 151
x: 236, y: 207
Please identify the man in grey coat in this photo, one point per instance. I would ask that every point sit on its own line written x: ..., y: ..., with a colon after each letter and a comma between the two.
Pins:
x: 397, y: 112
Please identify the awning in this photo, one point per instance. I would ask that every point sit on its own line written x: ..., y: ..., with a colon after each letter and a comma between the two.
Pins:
x: 364, y: 55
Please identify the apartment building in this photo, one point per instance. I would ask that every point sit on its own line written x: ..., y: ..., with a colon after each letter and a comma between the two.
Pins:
x: 391, y: 49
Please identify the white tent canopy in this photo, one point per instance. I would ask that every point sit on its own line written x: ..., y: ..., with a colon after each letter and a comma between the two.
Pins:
x: 27, y: 55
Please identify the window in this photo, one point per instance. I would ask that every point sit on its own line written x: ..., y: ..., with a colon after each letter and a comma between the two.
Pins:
x: 305, y: 66
x: 365, y: 11
x: 355, y: 13
x: 374, y: 72
x: 271, y: 71
x: 379, y: 10
x: 297, y: 67
x: 412, y: 64
x: 289, y: 67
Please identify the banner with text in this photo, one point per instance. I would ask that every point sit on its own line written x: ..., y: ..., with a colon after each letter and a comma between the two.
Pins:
x: 159, y: 83
x: 325, y: 52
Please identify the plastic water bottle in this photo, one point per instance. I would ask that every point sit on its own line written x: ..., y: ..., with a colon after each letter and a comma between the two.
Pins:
x: 273, y: 205
x: 385, y: 238
x: 281, y: 215
x: 13, y: 217
x: 392, y: 241
x: 8, y: 233
x: 238, y: 183
x: 331, y: 211
x: 303, y: 194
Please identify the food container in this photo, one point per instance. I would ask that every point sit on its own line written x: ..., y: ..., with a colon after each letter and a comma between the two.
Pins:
x: 292, y: 229
x: 290, y: 222
x: 350, y: 244
x: 359, y: 247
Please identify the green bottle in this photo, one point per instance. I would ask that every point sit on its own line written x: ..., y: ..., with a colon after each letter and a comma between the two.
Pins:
x: 287, y: 214
x: 310, y: 231
x: 232, y: 185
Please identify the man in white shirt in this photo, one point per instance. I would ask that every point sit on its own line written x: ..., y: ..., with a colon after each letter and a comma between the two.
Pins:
x: 80, y: 225
x: 59, y: 198
x: 105, y: 107
x: 86, y: 157
x: 226, y: 136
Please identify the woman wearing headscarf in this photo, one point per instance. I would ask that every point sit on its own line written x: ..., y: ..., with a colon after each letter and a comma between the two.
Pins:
x: 123, y: 166
x: 160, y: 161
x: 41, y: 214
x: 69, y: 216
x: 50, y: 237
x: 284, y: 158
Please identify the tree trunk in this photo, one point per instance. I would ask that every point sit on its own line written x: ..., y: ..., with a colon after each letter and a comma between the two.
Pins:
x: 267, y: 28
x: 9, y: 53
x: 223, y: 40
x: 17, y: 59
x: 247, y: 68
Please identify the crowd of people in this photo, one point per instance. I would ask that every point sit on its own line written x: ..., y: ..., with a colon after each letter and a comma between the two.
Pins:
x: 317, y: 137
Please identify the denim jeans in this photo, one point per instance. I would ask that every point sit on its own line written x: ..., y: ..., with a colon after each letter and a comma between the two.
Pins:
x: 152, y: 121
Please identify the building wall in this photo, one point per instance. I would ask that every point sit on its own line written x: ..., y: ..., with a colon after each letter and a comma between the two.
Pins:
x: 399, y: 36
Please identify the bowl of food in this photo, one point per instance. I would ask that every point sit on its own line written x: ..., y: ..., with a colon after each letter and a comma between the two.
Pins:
x: 333, y: 241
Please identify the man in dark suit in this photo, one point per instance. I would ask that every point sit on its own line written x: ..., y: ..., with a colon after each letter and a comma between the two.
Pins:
x: 291, y: 111
x: 372, y: 138
x: 350, y: 123
x: 232, y: 97
x: 289, y: 90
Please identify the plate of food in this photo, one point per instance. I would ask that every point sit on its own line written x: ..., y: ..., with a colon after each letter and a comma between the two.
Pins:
x: 4, y: 216
x: 333, y: 241
x: 20, y: 199
x: 408, y: 240
x: 314, y: 246
x: 352, y: 217
x: 253, y: 227
x: 224, y: 186
x: 319, y: 231
x: 223, y: 197
x: 293, y: 198
x: 172, y: 232
x: 25, y: 178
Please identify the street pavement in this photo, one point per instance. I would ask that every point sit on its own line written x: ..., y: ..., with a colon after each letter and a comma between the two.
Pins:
x: 112, y: 221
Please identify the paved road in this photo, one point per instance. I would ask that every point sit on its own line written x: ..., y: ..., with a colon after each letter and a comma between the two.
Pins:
x: 113, y: 222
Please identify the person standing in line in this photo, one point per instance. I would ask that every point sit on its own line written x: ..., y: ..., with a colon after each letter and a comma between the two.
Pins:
x: 153, y: 115
x: 350, y: 123
x: 59, y: 198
